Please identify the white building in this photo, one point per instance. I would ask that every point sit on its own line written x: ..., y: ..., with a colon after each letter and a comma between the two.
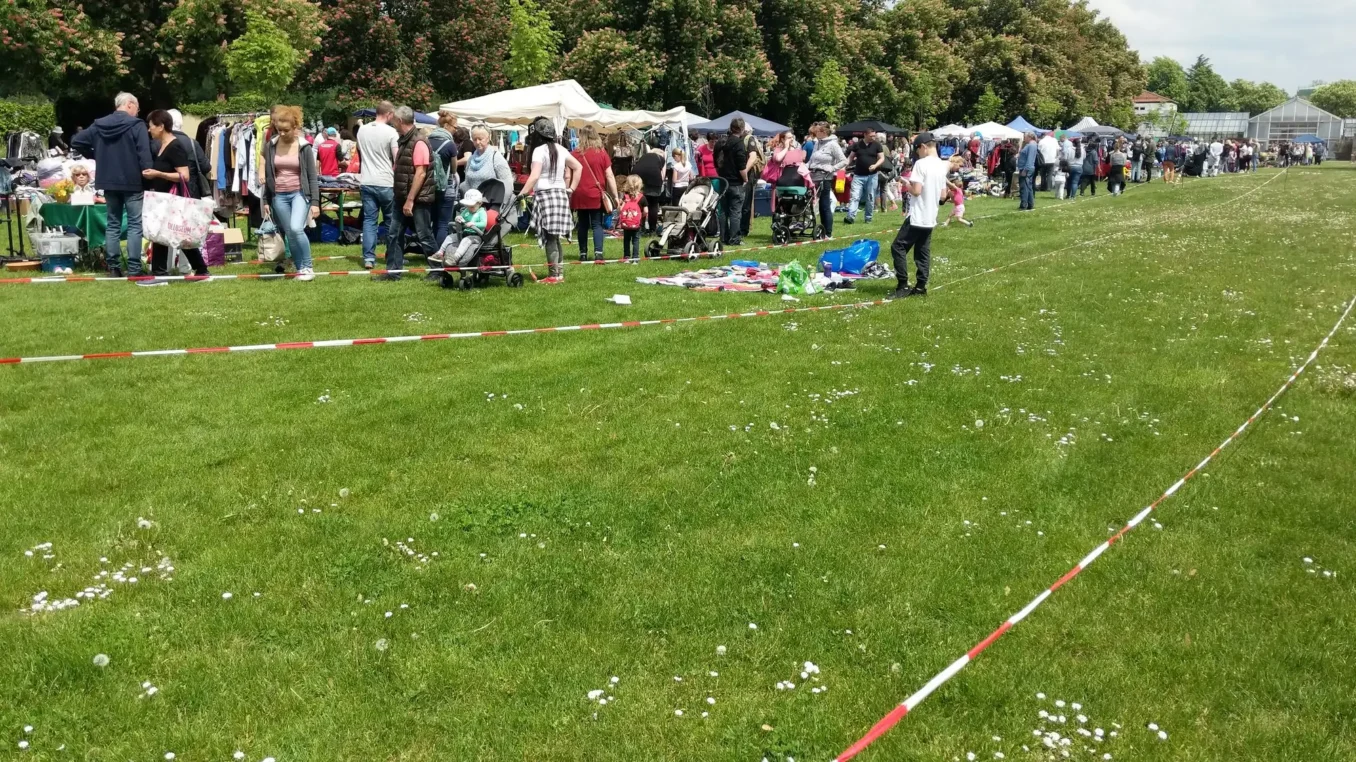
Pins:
x: 1149, y: 105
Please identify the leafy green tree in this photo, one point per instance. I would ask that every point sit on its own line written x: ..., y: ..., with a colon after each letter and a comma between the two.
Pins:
x: 830, y: 90
x: 988, y: 108
x: 262, y: 60
x: 1206, y: 89
x: 1337, y: 98
x: 1255, y: 97
x: 55, y: 49
x: 1171, y: 123
x: 533, y: 44
x: 1168, y: 79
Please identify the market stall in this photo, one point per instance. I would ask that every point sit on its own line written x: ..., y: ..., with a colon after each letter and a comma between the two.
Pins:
x: 763, y: 128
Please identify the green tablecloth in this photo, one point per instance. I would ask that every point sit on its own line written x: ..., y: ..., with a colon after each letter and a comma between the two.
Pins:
x: 91, y: 220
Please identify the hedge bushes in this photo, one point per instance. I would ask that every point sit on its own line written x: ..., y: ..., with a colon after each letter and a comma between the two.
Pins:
x: 35, y: 115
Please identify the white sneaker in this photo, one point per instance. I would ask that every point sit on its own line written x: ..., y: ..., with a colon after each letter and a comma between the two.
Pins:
x: 306, y: 274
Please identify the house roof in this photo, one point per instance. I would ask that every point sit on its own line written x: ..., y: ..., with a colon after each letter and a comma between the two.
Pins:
x: 1148, y: 97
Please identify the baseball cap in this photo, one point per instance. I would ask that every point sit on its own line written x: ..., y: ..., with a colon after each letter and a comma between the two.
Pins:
x: 331, y: 131
x: 922, y: 139
x: 472, y: 197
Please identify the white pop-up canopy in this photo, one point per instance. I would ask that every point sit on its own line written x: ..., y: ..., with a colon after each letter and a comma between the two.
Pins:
x: 565, y: 103
x: 614, y: 120
x: 951, y: 131
x: 1084, y: 123
x: 996, y: 131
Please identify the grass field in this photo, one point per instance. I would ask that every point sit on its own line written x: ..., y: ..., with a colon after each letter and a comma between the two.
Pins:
x: 436, y: 551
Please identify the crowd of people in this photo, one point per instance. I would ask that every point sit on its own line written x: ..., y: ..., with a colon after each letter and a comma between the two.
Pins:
x: 436, y: 190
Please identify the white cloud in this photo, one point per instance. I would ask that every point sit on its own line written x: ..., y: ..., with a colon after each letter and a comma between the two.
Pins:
x: 1289, y: 44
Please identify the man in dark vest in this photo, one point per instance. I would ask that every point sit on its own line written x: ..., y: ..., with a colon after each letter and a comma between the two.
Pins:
x: 415, y: 192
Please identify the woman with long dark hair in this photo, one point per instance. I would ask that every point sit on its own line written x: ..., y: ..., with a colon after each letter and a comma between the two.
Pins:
x: 553, y: 186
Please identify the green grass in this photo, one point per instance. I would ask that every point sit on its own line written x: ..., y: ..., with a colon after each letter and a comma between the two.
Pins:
x: 659, y: 527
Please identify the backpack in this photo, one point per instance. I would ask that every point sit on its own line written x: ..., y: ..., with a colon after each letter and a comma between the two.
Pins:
x: 756, y: 150
x: 629, y: 216
x: 439, y: 169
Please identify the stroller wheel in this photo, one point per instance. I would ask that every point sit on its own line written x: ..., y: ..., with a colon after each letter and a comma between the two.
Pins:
x: 652, y: 249
x: 466, y: 283
x: 515, y: 280
x: 280, y: 269
x: 448, y: 280
x: 690, y: 250
x: 717, y: 249
x: 778, y: 236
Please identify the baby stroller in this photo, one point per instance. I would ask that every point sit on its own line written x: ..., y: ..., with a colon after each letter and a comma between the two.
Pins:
x: 690, y: 228
x: 1195, y: 166
x: 793, y: 208
x: 494, y: 258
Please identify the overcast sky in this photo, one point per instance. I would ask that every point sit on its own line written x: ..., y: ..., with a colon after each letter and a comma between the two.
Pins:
x: 1287, y: 43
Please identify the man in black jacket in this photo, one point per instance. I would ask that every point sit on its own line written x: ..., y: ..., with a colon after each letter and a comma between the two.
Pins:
x: 732, y: 164
x: 121, y: 147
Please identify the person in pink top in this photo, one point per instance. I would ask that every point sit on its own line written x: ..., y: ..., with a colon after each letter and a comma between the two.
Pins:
x: 957, y: 194
x: 706, y: 157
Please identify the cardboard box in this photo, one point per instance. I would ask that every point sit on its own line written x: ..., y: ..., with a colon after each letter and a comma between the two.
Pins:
x: 234, y: 240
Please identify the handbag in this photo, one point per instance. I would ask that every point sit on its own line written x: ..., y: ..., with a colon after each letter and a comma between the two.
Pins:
x: 272, y: 249
x: 175, y: 219
x: 608, y: 203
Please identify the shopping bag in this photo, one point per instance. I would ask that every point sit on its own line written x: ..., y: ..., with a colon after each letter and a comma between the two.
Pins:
x: 271, y: 246
x: 852, y: 259
x: 794, y: 279
x: 175, y: 219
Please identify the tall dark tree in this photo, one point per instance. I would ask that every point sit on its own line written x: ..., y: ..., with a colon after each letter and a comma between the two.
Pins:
x: 1168, y: 79
x: 1206, y: 89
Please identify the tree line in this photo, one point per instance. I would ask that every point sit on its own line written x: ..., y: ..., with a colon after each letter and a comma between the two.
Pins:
x: 915, y: 63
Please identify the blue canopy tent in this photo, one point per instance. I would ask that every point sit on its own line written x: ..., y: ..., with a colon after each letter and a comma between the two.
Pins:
x: 419, y: 116
x: 761, y: 127
x: 1020, y: 124
x: 1309, y: 139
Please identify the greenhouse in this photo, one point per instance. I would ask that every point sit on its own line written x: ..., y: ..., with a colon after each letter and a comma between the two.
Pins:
x: 1225, y: 124
x: 1292, y: 119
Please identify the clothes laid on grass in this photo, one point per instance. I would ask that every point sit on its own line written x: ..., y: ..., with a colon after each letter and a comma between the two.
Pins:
x: 753, y: 279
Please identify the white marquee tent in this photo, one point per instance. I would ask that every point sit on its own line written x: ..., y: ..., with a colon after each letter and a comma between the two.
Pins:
x: 1084, y: 123
x: 565, y: 103
x: 996, y: 131
x: 952, y: 131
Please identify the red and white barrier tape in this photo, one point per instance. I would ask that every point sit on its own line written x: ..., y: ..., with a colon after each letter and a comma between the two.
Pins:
x: 912, y: 702
x: 485, y: 334
x: 430, y: 337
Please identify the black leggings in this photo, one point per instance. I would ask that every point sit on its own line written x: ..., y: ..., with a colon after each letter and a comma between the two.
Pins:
x: 160, y: 260
x: 652, y: 204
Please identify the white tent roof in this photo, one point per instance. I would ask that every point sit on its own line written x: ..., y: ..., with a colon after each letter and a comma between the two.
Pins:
x: 996, y: 131
x: 612, y: 120
x: 565, y: 103
x: 1084, y: 123
x: 951, y: 131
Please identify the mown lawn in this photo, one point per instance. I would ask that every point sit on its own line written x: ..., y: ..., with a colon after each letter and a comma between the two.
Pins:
x: 524, y: 519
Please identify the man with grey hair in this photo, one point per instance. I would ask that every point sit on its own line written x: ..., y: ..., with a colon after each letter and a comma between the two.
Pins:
x: 413, y: 191
x: 121, y: 148
x: 377, y: 146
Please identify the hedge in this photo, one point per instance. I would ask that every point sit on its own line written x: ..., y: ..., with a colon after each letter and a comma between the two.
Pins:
x: 38, y: 117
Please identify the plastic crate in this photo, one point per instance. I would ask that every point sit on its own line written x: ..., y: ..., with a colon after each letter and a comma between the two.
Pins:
x: 56, y: 245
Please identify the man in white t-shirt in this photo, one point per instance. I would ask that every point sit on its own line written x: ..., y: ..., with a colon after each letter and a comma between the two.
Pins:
x: 1049, y: 150
x: 377, y: 147
x: 925, y: 185
x: 1216, y: 154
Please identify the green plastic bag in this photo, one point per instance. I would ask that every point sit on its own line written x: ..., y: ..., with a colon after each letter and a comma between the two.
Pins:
x: 794, y: 279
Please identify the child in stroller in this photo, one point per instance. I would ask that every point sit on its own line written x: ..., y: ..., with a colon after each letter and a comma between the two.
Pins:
x: 686, y: 229
x: 794, y: 202
x: 489, y: 255
x: 470, y: 227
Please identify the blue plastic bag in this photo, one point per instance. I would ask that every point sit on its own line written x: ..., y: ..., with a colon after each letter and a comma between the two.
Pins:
x: 853, y: 259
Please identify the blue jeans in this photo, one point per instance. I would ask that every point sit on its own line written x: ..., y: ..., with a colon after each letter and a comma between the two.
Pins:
x: 375, y: 199
x: 446, y: 210
x: 863, y: 190
x: 291, y: 211
x: 1134, y: 172
x: 730, y: 212
x: 826, y: 201
x: 422, y: 220
x: 1028, y: 191
x: 119, y: 202
x: 1075, y: 179
x: 590, y: 219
